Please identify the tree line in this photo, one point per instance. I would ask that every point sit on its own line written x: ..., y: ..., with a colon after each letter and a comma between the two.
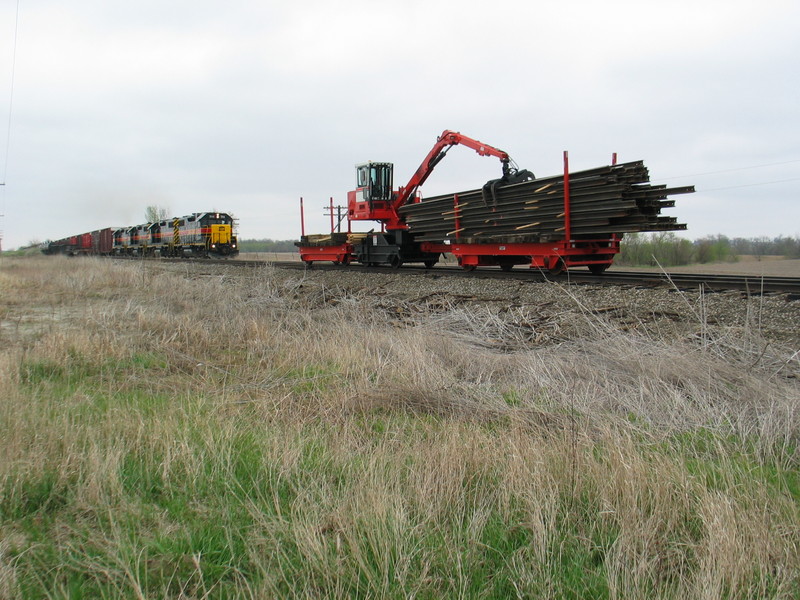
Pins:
x: 669, y: 250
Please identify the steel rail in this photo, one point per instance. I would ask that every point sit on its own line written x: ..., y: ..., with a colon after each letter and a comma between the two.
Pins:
x: 752, y: 284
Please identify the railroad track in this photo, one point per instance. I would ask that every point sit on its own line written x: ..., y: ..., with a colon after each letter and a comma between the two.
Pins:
x: 752, y: 284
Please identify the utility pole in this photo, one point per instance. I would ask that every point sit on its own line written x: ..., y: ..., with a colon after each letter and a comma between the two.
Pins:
x: 340, y: 212
x: 1, y: 216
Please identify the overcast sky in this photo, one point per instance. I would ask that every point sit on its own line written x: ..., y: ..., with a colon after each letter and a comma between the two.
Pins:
x: 245, y: 106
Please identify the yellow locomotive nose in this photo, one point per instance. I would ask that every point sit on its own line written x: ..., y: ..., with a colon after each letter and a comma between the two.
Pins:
x: 220, y: 234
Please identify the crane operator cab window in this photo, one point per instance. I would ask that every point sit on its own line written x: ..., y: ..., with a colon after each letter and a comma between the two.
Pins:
x: 377, y: 178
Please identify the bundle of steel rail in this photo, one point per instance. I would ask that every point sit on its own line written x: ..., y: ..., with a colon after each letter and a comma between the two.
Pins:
x: 602, y: 201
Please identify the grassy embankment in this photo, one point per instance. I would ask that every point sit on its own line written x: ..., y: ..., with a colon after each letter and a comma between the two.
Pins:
x: 171, y: 435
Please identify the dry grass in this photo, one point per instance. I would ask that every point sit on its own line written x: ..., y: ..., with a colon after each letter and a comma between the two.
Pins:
x: 174, y: 432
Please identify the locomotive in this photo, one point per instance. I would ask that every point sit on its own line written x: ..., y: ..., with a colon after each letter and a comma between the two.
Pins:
x: 203, y: 234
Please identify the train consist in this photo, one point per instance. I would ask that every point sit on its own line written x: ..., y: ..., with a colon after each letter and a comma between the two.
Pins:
x: 552, y: 223
x: 203, y: 234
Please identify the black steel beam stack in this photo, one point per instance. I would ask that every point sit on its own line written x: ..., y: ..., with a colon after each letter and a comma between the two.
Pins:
x: 603, y: 201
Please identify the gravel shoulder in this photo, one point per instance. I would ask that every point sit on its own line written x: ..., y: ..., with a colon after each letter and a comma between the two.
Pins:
x: 555, y: 312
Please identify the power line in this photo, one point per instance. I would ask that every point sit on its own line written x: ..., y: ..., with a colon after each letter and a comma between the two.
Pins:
x: 11, y: 93
x: 733, y: 187
x: 786, y: 162
x: 8, y: 128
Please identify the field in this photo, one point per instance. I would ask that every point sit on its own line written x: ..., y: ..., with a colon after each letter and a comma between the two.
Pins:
x: 768, y: 266
x: 183, y: 431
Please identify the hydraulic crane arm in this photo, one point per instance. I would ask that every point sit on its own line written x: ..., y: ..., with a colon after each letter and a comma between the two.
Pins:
x: 443, y: 143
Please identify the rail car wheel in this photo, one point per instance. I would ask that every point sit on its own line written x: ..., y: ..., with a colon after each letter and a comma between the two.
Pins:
x: 430, y: 263
x: 558, y: 268
x: 506, y: 267
x: 468, y: 267
x: 598, y: 269
x: 395, y: 261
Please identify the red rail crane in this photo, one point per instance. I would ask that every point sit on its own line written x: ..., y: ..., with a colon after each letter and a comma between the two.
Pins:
x: 374, y: 200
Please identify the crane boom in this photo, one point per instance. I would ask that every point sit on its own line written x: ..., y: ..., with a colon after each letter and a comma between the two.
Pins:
x: 443, y: 143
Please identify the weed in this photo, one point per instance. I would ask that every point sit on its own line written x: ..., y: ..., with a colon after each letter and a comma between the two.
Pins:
x: 151, y: 451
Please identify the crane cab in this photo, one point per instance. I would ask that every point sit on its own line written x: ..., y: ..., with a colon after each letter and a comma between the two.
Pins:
x: 372, y: 198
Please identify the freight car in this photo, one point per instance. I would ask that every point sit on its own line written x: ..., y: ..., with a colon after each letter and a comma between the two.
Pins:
x: 98, y: 242
x: 197, y: 235
x: 553, y: 223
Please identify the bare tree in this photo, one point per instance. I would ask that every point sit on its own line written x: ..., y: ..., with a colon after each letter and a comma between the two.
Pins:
x: 761, y: 246
x: 155, y: 213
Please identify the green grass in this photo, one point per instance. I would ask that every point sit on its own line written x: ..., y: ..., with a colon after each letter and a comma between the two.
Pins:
x: 230, y: 521
x: 240, y: 519
x: 168, y: 466
x: 721, y: 461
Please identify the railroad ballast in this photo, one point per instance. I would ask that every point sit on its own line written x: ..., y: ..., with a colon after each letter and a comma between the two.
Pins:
x: 197, y: 235
x: 551, y: 223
